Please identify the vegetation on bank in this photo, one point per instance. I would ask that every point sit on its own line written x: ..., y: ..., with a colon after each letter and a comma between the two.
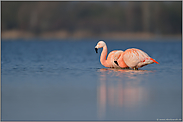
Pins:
x: 90, y: 19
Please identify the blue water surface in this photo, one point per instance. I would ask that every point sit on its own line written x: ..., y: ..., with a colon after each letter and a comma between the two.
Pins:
x: 64, y: 80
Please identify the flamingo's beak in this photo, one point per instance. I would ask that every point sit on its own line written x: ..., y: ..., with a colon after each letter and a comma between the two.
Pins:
x: 96, y: 49
x: 116, y: 63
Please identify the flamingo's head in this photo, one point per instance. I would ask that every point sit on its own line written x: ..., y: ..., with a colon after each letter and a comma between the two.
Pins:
x: 100, y: 44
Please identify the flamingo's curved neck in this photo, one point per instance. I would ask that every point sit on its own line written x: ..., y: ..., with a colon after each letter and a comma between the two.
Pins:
x: 121, y: 61
x: 103, y: 56
x: 121, y: 56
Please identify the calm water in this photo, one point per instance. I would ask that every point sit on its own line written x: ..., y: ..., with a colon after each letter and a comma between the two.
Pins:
x: 64, y: 80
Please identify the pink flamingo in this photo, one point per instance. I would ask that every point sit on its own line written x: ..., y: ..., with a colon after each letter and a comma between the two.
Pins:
x: 134, y: 58
x: 113, y: 56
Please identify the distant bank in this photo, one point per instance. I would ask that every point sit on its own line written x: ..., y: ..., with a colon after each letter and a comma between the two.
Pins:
x: 62, y: 34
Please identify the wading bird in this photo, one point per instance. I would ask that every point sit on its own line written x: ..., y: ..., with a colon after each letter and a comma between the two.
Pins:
x: 133, y: 58
x: 109, y: 62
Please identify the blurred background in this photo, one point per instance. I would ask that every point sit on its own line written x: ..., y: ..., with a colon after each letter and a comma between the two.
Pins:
x: 91, y: 19
x: 64, y: 80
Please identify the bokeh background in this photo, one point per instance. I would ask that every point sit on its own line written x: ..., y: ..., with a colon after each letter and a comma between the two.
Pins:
x: 91, y: 19
x: 50, y: 71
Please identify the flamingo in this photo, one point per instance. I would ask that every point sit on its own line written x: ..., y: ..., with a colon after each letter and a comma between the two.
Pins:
x: 134, y: 58
x: 112, y: 56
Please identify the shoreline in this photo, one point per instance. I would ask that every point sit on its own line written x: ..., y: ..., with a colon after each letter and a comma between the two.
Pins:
x: 82, y: 34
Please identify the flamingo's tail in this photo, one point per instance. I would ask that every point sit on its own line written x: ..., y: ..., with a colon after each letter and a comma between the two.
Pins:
x: 154, y: 60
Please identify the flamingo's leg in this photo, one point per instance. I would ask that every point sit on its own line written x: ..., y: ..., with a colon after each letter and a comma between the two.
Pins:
x: 135, y: 68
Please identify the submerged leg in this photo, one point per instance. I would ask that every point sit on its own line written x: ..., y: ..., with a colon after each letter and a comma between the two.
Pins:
x: 135, y: 68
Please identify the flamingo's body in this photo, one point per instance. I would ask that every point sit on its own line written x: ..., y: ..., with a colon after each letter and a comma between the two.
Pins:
x: 109, y: 62
x: 133, y: 58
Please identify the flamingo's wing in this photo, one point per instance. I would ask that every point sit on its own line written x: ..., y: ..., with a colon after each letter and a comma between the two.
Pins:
x: 133, y: 56
x: 147, y: 59
x: 136, y: 58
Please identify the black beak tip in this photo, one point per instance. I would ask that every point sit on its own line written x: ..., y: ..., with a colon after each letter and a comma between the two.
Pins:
x: 96, y: 50
x: 116, y: 63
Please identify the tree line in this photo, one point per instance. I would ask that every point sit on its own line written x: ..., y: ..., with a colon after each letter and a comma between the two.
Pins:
x: 97, y: 17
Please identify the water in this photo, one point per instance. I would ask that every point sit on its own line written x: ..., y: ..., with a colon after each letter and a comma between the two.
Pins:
x: 64, y: 80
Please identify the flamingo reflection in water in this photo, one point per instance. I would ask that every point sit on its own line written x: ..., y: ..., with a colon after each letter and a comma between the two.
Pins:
x: 119, y: 88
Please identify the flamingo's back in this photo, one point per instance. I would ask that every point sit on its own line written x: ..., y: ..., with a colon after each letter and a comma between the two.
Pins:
x: 136, y: 58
